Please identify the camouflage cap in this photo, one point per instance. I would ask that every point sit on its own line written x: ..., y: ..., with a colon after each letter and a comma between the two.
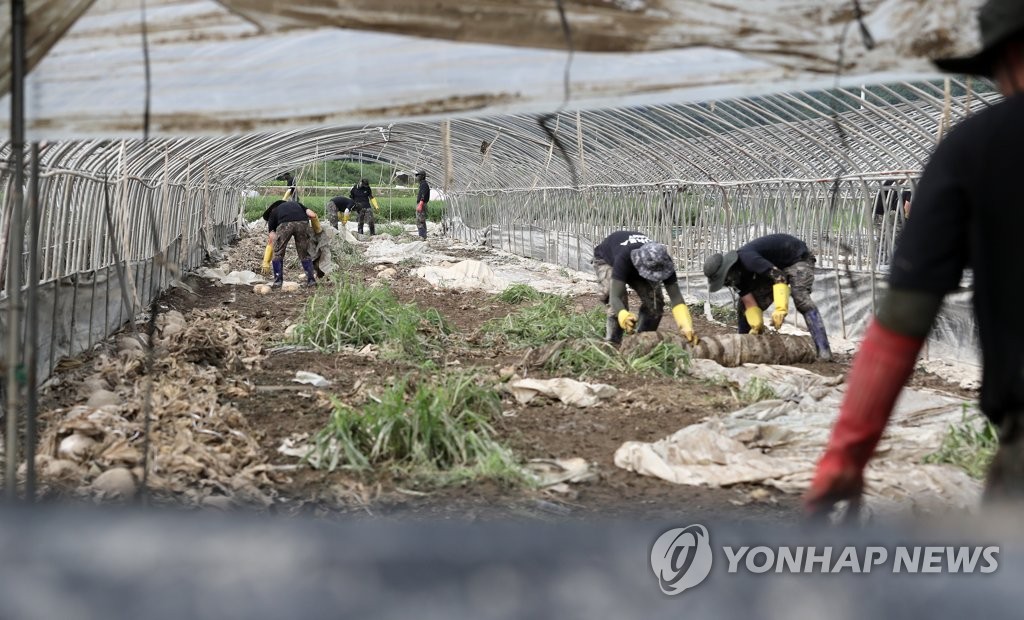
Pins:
x: 653, y: 262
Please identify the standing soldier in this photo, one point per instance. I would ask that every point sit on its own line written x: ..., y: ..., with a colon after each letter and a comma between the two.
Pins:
x: 766, y: 269
x: 287, y: 220
x: 630, y: 258
x: 336, y: 205
x: 292, y: 192
x: 966, y: 214
x: 422, y: 198
x: 363, y: 197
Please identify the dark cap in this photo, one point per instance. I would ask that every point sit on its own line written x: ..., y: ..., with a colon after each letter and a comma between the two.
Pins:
x: 653, y: 262
x: 998, y: 21
x: 716, y: 267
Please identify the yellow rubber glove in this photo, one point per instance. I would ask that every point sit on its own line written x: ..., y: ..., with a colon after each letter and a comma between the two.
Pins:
x: 316, y: 224
x: 268, y: 254
x: 373, y: 201
x: 781, y: 292
x: 682, y: 316
x: 754, y: 319
x: 627, y: 321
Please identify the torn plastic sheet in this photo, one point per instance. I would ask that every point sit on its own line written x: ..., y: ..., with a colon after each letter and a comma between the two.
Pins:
x: 387, y: 251
x: 569, y: 391
x: 464, y: 275
x: 205, y: 56
x: 777, y: 442
x: 232, y: 277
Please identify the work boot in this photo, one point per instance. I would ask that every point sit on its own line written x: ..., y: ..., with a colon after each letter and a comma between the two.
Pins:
x: 613, y: 332
x: 817, y: 329
x: 278, y: 266
x: 373, y: 229
x: 423, y: 232
x: 307, y: 265
x: 1005, y: 481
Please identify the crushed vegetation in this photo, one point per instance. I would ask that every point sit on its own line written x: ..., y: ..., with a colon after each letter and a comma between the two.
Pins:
x: 585, y: 358
x: 353, y: 314
x: 441, y: 428
x: 969, y: 445
x: 549, y: 319
x: 394, y: 230
x: 202, y: 449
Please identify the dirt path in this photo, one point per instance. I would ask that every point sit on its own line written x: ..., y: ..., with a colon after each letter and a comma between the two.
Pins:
x: 645, y: 409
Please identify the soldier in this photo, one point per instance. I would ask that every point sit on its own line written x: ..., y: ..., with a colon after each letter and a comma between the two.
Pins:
x: 966, y: 214
x: 336, y: 205
x: 288, y: 220
x: 630, y: 258
x: 767, y: 269
x: 363, y: 197
x: 422, y: 198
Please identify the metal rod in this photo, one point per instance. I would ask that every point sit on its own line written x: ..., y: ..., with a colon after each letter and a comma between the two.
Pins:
x: 15, y: 244
x: 32, y: 329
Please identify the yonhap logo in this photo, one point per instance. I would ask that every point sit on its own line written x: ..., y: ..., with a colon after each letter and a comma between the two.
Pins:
x: 681, y: 558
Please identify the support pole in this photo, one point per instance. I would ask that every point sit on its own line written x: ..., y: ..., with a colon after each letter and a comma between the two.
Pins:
x: 14, y: 244
x: 32, y: 329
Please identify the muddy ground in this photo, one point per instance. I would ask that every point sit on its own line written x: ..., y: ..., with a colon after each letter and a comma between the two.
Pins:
x: 645, y: 409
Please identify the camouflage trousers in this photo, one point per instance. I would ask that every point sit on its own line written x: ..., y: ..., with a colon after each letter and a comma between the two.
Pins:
x: 332, y: 213
x: 300, y: 231
x: 799, y: 276
x: 652, y: 302
x: 366, y: 216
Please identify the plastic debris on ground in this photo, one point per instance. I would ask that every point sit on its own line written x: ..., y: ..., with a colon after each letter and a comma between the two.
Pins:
x: 777, y: 442
x: 310, y: 378
x: 569, y: 391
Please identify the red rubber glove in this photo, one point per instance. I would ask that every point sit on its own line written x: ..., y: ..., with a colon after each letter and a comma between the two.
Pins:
x: 884, y: 363
x: 419, y: 206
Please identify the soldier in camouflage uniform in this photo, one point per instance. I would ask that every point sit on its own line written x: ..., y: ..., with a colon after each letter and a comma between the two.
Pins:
x: 287, y: 220
x: 769, y: 269
x: 422, y: 198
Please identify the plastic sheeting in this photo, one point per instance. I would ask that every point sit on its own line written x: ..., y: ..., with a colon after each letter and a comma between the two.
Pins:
x: 777, y: 442
x: 234, y: 66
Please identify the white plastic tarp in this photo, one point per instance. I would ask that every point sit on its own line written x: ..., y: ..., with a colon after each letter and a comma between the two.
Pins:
x: 777, y: 442
x: 241, y: 66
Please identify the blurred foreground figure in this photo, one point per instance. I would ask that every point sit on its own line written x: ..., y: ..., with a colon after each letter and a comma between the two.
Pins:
x: 630, y: 258
x: 768, y: 269
x: 967, y: 213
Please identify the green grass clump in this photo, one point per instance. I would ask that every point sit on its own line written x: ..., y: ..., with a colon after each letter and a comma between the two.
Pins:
x: 442, y: 429
x: 394, y: 230
x: 589, y: 357
x: 756, y: 390
x: 518, y: 293
x: 969, y: 445
x: 548, y: 320
x: 666, y: 358
x: 354, y: 314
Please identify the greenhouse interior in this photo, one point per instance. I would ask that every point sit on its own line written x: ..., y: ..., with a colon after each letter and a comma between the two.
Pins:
x: 146, y: 138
